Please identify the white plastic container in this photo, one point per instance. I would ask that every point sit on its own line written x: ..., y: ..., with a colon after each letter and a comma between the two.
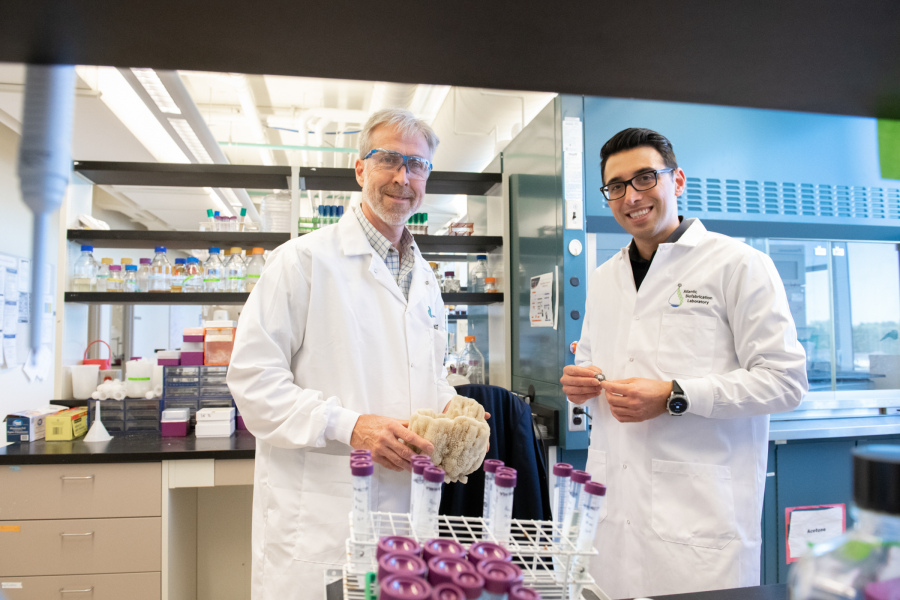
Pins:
x: 138, y: 378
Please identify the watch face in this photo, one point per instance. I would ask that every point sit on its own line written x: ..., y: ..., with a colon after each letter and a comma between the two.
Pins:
x: 678, y: 405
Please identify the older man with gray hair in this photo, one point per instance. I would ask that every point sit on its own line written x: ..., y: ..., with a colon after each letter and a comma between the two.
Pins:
x: 339, y: 343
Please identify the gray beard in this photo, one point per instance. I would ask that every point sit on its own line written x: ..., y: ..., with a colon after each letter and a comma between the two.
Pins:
x: 390, y: 217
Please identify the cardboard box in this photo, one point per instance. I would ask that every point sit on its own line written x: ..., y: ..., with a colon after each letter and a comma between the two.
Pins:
x: 67, y: 425
x: 29, y: 425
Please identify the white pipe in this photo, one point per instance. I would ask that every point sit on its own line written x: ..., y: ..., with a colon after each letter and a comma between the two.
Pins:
x: 45, y: 163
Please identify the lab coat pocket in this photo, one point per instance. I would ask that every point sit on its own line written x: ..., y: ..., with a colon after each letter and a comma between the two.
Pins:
x: 693, y: 504
x: 686, y: 344
x: 438, y: 350
x: 323, y: 523
x: 596, y: 466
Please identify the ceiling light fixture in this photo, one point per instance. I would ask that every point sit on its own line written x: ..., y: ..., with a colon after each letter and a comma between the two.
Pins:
x: 158, y: 92
x: 251, y: 115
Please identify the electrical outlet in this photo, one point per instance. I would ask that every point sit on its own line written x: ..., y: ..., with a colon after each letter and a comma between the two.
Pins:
x: 576, y: 422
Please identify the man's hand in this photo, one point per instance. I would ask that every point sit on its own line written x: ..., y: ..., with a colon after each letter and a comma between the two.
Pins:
x: 382, y: 436
x: 579, y: 384
x: 636, y: 399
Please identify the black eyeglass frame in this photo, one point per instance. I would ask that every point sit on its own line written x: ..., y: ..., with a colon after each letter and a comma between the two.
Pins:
x: 605, y: 189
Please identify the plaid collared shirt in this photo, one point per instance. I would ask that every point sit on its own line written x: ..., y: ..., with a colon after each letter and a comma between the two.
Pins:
x: 399, y: 263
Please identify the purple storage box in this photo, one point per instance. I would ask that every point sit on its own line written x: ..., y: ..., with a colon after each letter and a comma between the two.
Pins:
x: 167, y: 362
x: 190, y: 359
x: 193, y: 338
x: 174, y: 428
x: 240, y: 423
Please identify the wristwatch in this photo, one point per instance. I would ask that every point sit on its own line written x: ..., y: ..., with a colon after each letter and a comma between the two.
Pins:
x: 678, y: 402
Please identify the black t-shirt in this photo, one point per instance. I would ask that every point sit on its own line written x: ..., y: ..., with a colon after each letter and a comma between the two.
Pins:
x: 640, y: 266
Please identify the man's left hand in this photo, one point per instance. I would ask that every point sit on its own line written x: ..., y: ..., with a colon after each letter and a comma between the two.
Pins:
x: 636, y: 399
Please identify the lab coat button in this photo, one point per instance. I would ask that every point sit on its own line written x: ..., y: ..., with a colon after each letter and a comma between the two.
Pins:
x: 624, y: 466
x: 627, y: 522
x: 637, y: 318
x: 631, y: 359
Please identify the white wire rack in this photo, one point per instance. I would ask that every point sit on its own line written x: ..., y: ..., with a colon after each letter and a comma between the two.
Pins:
x: 550, y: 563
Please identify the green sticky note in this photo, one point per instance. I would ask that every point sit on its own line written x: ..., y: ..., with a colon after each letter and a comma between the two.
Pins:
x: 889, y: 148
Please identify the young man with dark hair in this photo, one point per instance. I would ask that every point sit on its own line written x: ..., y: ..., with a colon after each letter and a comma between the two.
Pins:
x: 693, y: 334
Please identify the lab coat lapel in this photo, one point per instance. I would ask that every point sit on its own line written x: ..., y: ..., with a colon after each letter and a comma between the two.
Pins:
x: 420, y: 283
x: 354, y: 242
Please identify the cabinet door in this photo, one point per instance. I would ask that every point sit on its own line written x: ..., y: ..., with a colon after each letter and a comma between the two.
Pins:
x: 80, y: 491
x: 134, y: 586
x: 69, y: 547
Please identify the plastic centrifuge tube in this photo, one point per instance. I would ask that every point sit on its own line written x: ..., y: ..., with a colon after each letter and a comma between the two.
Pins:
x: 360, y: 454
x: 425, y: 517
x: 499, y: 578
x: 501, y: 513
x: 490, y: 467
x: 562, y: 472
x: 362, y: 470
x: 470, y: 582
x: 417, y: 479
x: 591, y: 503
x: 573, y: 505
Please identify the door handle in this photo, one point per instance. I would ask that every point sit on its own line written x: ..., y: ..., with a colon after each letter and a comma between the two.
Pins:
x: 70, y: 478
x: 76, y: 534
x: 84, y: 591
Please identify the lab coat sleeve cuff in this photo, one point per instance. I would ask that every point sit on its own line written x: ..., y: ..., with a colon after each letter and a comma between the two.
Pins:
x: 341, y: 422
x: 701, y: 395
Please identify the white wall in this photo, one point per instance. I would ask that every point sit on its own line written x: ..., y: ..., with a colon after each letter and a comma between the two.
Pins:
x: 16, y: 391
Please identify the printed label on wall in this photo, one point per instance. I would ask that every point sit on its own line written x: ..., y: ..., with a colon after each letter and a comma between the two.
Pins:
x: 806, y: 526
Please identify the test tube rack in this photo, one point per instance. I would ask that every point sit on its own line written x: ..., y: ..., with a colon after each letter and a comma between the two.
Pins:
x: 539, y: 548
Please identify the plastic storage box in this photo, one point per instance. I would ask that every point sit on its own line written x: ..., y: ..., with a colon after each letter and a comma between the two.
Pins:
x: 174, y: 422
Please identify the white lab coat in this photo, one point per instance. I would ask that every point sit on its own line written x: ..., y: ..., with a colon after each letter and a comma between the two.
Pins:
x: 685, y: 493
x: 326, y: 335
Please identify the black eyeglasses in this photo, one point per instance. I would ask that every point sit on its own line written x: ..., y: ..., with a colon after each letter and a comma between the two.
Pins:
x: 641, y: 183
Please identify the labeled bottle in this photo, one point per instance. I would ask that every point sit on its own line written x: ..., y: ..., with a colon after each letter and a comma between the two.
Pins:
x: 478, y: 274
x: 114, y: 281
x: 234, y: 271
x: 193, y: 276
x: 129, y: 281
x: 861, y: 563
x: 213, y: 272
x: 177, y: 279
x: 473, y: 361
x: 317, y: 217
x: 160, y: 271
x: 85, y: 271
x: 143, y: 275
x: 450, y: 285
x: 490, y: 285
x: 254, y: 269
x: 103, y: 273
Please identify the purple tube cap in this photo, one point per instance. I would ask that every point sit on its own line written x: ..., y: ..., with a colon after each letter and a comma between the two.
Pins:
x: 434, y: 474
x: 447, y: 591
x: 470, y: 582
x: 562, y: 469
x: 401, y: 564
x: 397, y: 544
x: 416, y: 457
x: 146, y: 261
x: 359, y: 468
x: 505, y: 479
x: 439, y: 547
x: 419, y: 466
x: 404, y: 587
x: 482, y: 551
x: 361, y: 453
x: 594, y: 488
x: 491, y: 465
x: 442, y: 568
x: 581, y: 476
x: 520, y: 592
x: 499, y: 576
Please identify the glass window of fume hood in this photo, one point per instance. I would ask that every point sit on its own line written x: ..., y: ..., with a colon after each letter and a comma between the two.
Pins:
x: 845, y: 300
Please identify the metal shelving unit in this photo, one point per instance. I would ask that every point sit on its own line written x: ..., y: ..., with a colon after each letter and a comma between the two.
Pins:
x: 229, y: 298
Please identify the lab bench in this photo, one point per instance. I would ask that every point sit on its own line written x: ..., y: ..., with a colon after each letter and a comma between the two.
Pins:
x: 140, y: 516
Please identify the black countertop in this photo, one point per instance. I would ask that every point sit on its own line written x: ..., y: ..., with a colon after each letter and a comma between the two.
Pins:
x: 130, y: 447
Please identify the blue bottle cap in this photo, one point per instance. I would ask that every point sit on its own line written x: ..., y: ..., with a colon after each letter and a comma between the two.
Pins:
x: 131, y: 267
x: 87, y: 248
x: 482, y: 257
x: 193, y: 259
x: 213, y: 250
x: 179, y: 261
x: 160, y: 249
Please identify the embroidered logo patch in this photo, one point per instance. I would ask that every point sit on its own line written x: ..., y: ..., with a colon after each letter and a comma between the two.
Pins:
x: 677, y: 298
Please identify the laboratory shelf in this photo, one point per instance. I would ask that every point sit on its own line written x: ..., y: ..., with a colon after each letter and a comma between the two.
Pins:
x: 229, y: 298
x: 432, y: 246
x: 267, y: 178
x: 156, y: 297
x: 181, y: 240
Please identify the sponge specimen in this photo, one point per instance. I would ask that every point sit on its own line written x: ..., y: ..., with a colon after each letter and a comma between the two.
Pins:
x: 460, y: 436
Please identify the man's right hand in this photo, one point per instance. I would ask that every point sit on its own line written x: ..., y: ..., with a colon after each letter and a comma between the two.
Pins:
x: 579, y: 384
x: 382, y: 437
